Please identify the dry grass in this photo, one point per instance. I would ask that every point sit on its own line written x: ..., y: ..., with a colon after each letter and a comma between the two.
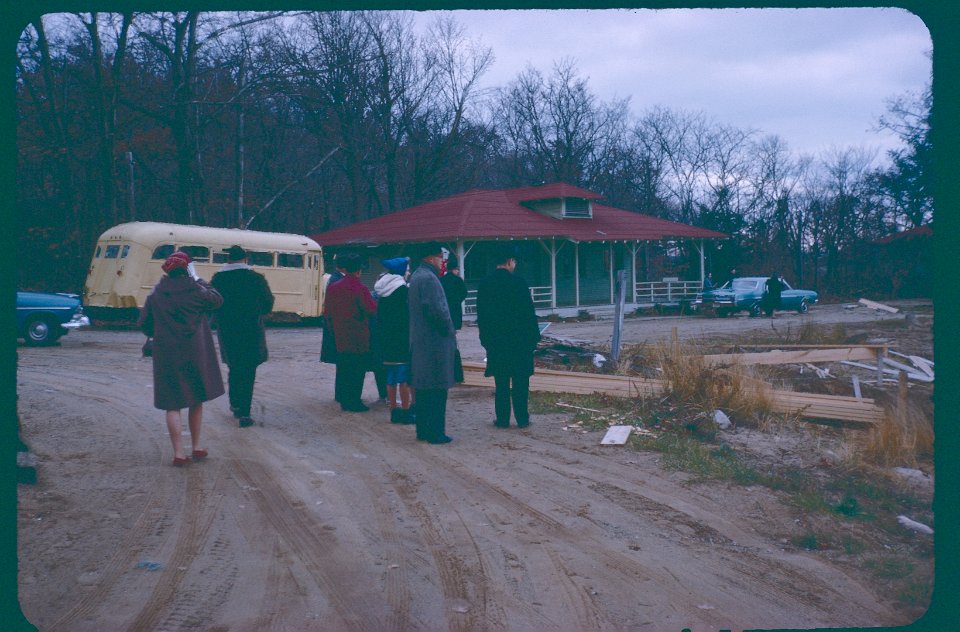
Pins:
x: 692, y: 382
x: 899, y: 440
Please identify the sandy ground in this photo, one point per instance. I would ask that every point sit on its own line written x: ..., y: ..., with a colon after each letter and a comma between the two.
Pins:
x: 319, y: 520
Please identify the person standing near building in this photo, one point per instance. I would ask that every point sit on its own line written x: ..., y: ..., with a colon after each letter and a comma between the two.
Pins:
x: 433, y: 345
x: 507, y: 321
x: 185, y: 368
x: 455, y: 290
x: 708, y: 282
x: 348, y: 308
x: 393, y: 333
x: 243, y: 342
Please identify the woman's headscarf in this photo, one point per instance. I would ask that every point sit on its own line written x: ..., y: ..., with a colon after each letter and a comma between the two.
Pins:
x: 179, y: 259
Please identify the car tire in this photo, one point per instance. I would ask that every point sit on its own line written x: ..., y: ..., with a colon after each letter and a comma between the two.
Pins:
x: 803, y: 307
x: 755, y: 310
x: 40, y: 331
x: 722, y: 313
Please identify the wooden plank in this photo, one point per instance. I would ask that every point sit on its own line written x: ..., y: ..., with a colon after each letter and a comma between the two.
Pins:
x: 793, y: 357
x: 875, y: 305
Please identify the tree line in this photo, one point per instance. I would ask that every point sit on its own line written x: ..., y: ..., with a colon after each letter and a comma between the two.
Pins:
x: 305, y: 121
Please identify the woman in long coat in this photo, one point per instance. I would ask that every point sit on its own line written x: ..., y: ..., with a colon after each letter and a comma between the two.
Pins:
x: 186, y: 372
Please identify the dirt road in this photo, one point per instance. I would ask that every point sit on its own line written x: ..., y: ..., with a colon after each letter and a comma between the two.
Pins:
x: 320, y: 520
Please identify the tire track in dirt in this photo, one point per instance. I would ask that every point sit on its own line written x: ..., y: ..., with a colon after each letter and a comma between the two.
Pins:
x: 120, y: 563
x: 781, y: 582
x: 329, y: 565
x: 196, y: 519
x: 381, y: 529
x: 453, y: 570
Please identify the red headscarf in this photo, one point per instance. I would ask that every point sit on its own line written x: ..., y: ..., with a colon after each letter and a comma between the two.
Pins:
x: 179, y: 259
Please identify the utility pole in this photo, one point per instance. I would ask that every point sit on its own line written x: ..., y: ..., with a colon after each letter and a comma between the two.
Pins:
x: 132, y: 201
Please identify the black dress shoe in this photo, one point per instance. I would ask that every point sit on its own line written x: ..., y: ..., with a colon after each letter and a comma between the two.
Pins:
x: 523, y: 424
x: 246, y: 422
x: 502, y: 424
x: 440, y: 439
x: 354, y: 408
x: 401, y: 416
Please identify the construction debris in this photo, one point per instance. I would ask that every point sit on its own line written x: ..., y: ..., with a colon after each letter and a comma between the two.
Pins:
x: 880, y: 306
x: 720, y: 418
x: 589, y: 410
x: 914, y: 525
x: 835, y: 354
x: 913, y: 375
x: 616, y: 435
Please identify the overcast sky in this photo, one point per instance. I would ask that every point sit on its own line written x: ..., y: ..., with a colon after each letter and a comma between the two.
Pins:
x: 819, y: 78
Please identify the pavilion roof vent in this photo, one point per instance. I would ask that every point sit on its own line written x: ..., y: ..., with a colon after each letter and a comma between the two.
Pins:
x: 560, y: 208
x: 577, y: 207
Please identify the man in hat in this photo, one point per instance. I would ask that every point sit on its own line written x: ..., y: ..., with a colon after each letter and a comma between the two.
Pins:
x: 507, y: 321
x: 348, y: 309
x: 433, y: 345
x: 243, y: 343
x: 455, y: 290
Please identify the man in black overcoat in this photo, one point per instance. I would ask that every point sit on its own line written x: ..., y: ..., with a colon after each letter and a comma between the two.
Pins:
x: 773, y: 289
x: 509, y: 333
x: 243, y: 343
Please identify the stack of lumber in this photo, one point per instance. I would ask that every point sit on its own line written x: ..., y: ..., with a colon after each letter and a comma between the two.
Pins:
x: 825, y: 406
x: 804, y: 404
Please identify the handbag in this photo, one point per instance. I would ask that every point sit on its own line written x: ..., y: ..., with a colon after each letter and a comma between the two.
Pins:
x: 147, y: 348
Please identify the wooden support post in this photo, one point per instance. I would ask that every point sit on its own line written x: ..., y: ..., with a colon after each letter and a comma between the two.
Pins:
x: 675, y: 343
x: 618, y: 314
x: 902, y: 397
x: 879, y: 367
x: 856, y: 387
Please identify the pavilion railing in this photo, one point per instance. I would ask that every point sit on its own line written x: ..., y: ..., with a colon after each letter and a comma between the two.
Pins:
x: 542, y: 298
x: 667, y: 292
x: 648, y: 292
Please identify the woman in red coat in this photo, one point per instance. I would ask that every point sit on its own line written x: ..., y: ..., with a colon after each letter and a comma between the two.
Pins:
x: 186, y: 371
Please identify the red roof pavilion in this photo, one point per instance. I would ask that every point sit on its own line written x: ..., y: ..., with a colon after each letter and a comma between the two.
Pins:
x: 484, y: 214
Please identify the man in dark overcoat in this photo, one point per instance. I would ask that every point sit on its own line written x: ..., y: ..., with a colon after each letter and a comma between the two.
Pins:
x: 507, y: 321
x: 773, y: 289
x: 243, y: 343
x: 433, y: 345
x: 348, y: 309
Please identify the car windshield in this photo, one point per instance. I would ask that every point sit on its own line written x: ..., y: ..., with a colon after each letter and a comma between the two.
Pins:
x: 744, y: 284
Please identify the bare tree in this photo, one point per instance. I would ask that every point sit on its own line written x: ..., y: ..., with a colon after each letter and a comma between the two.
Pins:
x: 557, y: 129
x: 681, y: 141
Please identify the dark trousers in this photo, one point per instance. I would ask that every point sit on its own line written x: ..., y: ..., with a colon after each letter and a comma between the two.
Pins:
x: 348, y: 383
x: 515, y: 388
x: 431, y: 413
x: 240, y: 379
x: 380, y: 375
